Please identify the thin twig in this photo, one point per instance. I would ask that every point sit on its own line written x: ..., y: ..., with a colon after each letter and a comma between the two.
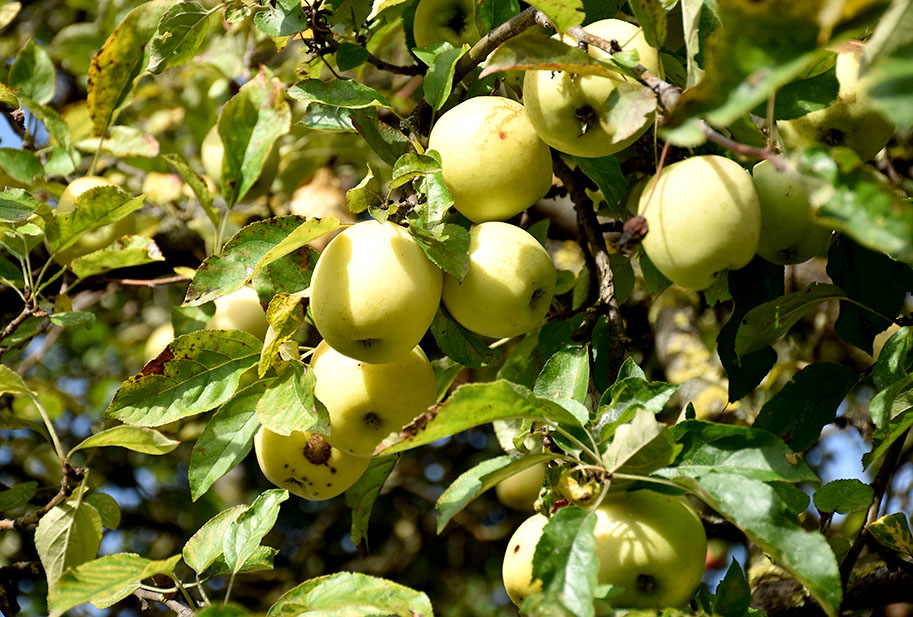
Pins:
x: 179, y: 608
x: 71, y: 478
x: 744, y: 150
x: 149, y: 282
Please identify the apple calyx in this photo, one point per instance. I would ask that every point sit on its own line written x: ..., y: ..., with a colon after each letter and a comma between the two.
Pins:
x: 646, y: 583
x: 588, y: 118
x: 317, y: 450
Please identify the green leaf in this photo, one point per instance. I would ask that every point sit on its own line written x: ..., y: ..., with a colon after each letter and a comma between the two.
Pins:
x: 412, y: 165
x: 328, y: 118
x: 135, y: 438
x: 178, y: 37
x: 70, y: 319
x: 767, y: 323
x: 630, y: 392
x: 119, y: 61
x: 349, y: 56
x: 803, y: 97
x: 492, y: 13
x: 843, y: 496
x: 889, y: 85
x: 289, y: 404
x: 103, y: 577
x: 187, y: 319
x: 651, y: 15
x: 733, y: 594
x: 562, y: 13
x: 807, y: 403
x: 124, y: 252
x: 205, y: 546
x: 252, y: 248
x: 17, y: 206
x: 442, y: 59
x: 195, y: 373
x: 459, y: 343
x: 893, y: 531
x: 640, y: 447
x: 366, y: 194
x: 893, y: 31
x: 32, y: 73
x: 473, y: 405
x: 854, y: 200
x: 226, y: 440
x: 224, y: 610
x: 606, y: 173
x: 387, y: 142
x: 360, y: 497
x: 565, y: 559
x: 122, y: 141
x: 895, y: 360
x: 285, y: 314
x: 243, y: 535
x: 280, y: 20
x: 261, y: 559
x: 478, y: 479
x: 249, y: 125
x: 67, y: 536
x: 760, y: 511
x: 566, y: 375
x: 17, y: 496
x: 345, y: 93
x: 12, y: 383
x: 107, y: 507
x: 446, y: 245
x: 350, y: 594
x: 94, y: 208
x: 196, y: 182
x: 748, y: 452
x: 543, y: 53
x: 21, y: 165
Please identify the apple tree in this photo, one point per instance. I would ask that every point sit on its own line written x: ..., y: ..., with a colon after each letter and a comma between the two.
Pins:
x: 287, y: 287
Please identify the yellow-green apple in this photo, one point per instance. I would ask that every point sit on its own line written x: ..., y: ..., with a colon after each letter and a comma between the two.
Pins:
x: 509, y: 286
x: 652, y: 545
x: 97, y: 238
x: 366, y: 402
x: 321, y: 195
x: 703, y: 216
x: 789, y: 234
x: 305, y: 464
x: 240, y: 310
x: 157, y: 341
x: 852, y: 120
x: 211, y: 152
x: 520, y: 491
x: 374, y: 293
x: 437, y: 21
x: 492, y: 160
x: 571, y: 112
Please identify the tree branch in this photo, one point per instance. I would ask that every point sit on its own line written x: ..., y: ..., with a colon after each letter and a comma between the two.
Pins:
x: 179, y: 608
x: 597, y: 256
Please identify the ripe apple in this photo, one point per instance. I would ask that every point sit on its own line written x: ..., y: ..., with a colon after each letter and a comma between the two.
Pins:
x: 240, y: 310
x: 437, y: 21
x: 306, y: 465
x: 211, y: 152
x: 158, y: 339
x: 789, y: 234
x: 521, y: 490
x: 509, y: 286
x: 374, y: 293
x: 97, y: 238
x: 852, y: 120
x: 571, y: 112
x: 703, y: 218
x: 366, y: 402
x: 492, y: 160
x: 652, y: 545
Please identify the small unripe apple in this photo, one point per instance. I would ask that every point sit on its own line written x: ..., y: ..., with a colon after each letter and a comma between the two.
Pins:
x: 366, y: 402
x: 652, y: 545
x: 211, y: 152
x: 306, y: 465
x: 509, y: 286
x: 437, y: 21
x: 374, y: 293
x: 240, y: 310
x: 97, y: 238
x: 703, y: 217
x: 571, y: 112
x: 521, y: 490
x: 789, y: 235
x: 492, y: 160
x: 852, y: 120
